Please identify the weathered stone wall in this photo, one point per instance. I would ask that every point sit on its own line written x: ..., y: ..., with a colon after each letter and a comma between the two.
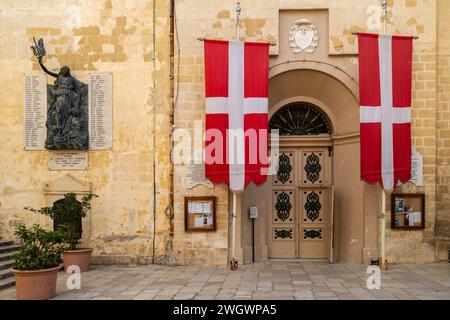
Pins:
x: 260, y: 22
x: 102, y: 35
x: 117, y: 36
x: 419, y: 246
x: 443, y: 130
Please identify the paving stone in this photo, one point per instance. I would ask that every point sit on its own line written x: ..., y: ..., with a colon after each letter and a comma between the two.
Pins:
x: 346, y: 296
x: 168, y: 292
x: 324, y: 294
x: 301, y: 283
x: 225, y: 296
x: 184, y: 296
x: 227, y: 291
x: 340, y: 290
x: 144, y: 296
x: 190, y: 290
x: 264, y: 289
x: 243, y: 293
x: 267, y: 281
x: 304, y: 298
x: 204, y: 297
x: 89, y: 295
x: 304, y: 294
x: 163, y: 297
x: 125, y: 293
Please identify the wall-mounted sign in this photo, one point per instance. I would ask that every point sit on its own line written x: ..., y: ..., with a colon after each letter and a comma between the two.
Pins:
x: 303, y: 36
x: 200, y: 214
x: 417, y: 168
x: 195, y: 176
x: 68, y: 161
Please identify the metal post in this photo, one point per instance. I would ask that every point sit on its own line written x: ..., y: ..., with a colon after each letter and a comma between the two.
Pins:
x: 238, y: 22
x: 253, y: 240
x: 234, y: 261
x: 383, y: 263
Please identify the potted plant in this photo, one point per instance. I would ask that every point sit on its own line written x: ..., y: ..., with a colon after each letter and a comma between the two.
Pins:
x: 37, y: 262
x: 67, y: 214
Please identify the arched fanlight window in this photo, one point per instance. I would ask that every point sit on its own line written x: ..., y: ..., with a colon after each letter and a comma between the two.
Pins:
x: 300, y: 119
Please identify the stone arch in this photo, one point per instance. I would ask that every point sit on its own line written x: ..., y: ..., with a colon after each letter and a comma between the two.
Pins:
x: 334, y: 71
x: 55, y: 190
x: 329, y: 92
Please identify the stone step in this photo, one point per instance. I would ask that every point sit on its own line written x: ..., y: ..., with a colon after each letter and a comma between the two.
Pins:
x: 4, y: 243
x: 10, y: 248
x: 6, y: 274
x: 6, y: 265
x: 5, y: 256
x: 7, y: 283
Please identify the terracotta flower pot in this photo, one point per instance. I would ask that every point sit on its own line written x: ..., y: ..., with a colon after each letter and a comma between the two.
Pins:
x: 36, y: 284
x: 79, y: 257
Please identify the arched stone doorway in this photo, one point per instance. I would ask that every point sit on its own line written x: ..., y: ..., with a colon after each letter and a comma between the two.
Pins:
x: 301, y: 215
x: 331, y: 133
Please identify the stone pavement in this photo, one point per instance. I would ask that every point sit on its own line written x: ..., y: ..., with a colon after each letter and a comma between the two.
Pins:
x: 303, y: 280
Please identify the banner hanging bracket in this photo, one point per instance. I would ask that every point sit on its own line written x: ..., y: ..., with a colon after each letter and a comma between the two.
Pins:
x: 272, y: 44
x: 414, y: 37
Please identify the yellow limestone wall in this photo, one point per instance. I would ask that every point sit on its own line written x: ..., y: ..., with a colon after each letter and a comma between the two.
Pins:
x: 443, y: 131
x: 102, y: 35
x: 260, y: 22
x: 117, y: 36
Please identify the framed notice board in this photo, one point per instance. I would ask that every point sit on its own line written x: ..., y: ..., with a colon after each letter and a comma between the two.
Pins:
x: 200, y: 214
x: 408, y: 211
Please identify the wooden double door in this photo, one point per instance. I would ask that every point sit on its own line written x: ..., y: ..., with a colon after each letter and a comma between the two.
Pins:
x: 302, y: 205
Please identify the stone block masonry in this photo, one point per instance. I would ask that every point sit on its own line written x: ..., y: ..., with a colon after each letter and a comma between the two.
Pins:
x: 117, y: 37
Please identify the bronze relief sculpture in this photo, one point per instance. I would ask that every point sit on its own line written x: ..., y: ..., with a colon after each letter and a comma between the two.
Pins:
x: 67, y: 108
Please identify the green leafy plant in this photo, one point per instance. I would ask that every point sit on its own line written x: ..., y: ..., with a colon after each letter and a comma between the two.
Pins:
x: 68, y: 211
x: 39, y: 248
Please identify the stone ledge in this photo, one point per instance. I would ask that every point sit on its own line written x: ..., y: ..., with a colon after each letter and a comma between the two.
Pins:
x: 129, y: 260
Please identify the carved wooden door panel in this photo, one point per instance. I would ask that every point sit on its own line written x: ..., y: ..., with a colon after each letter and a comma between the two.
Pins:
x: 284, y: 218
x: 314, y: 203
x: 301, y: 194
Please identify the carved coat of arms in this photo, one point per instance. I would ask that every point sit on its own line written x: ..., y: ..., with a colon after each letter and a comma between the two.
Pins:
x: 303, y: 36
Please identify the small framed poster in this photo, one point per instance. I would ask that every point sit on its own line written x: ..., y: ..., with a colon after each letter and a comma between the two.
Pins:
x: 200, y: 214
x: 408, y: 211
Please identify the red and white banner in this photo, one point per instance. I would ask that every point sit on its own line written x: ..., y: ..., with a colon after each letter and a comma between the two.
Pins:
x: 385, y: 77
x: 236, y: 77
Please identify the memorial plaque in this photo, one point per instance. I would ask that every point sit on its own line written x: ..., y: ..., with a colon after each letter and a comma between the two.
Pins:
x: 100, y: 111
x: 417, y: 168
x: 35, y: 111
x: 68, y: 161
x: 196, y: 176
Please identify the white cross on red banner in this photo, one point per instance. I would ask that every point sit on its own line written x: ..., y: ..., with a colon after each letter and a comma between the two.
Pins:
x: 236, y: 78
x: 385, y: 78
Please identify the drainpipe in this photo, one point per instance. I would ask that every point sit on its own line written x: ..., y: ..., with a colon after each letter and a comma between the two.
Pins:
x: 154, y: 130
x: 169, y: 259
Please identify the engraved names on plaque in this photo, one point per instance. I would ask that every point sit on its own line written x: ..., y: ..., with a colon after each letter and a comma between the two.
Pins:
x: 100, y: 111
x: 35, y: 111
x: 68, y: 160
x: 196, y: 176
x: 417, y: 168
